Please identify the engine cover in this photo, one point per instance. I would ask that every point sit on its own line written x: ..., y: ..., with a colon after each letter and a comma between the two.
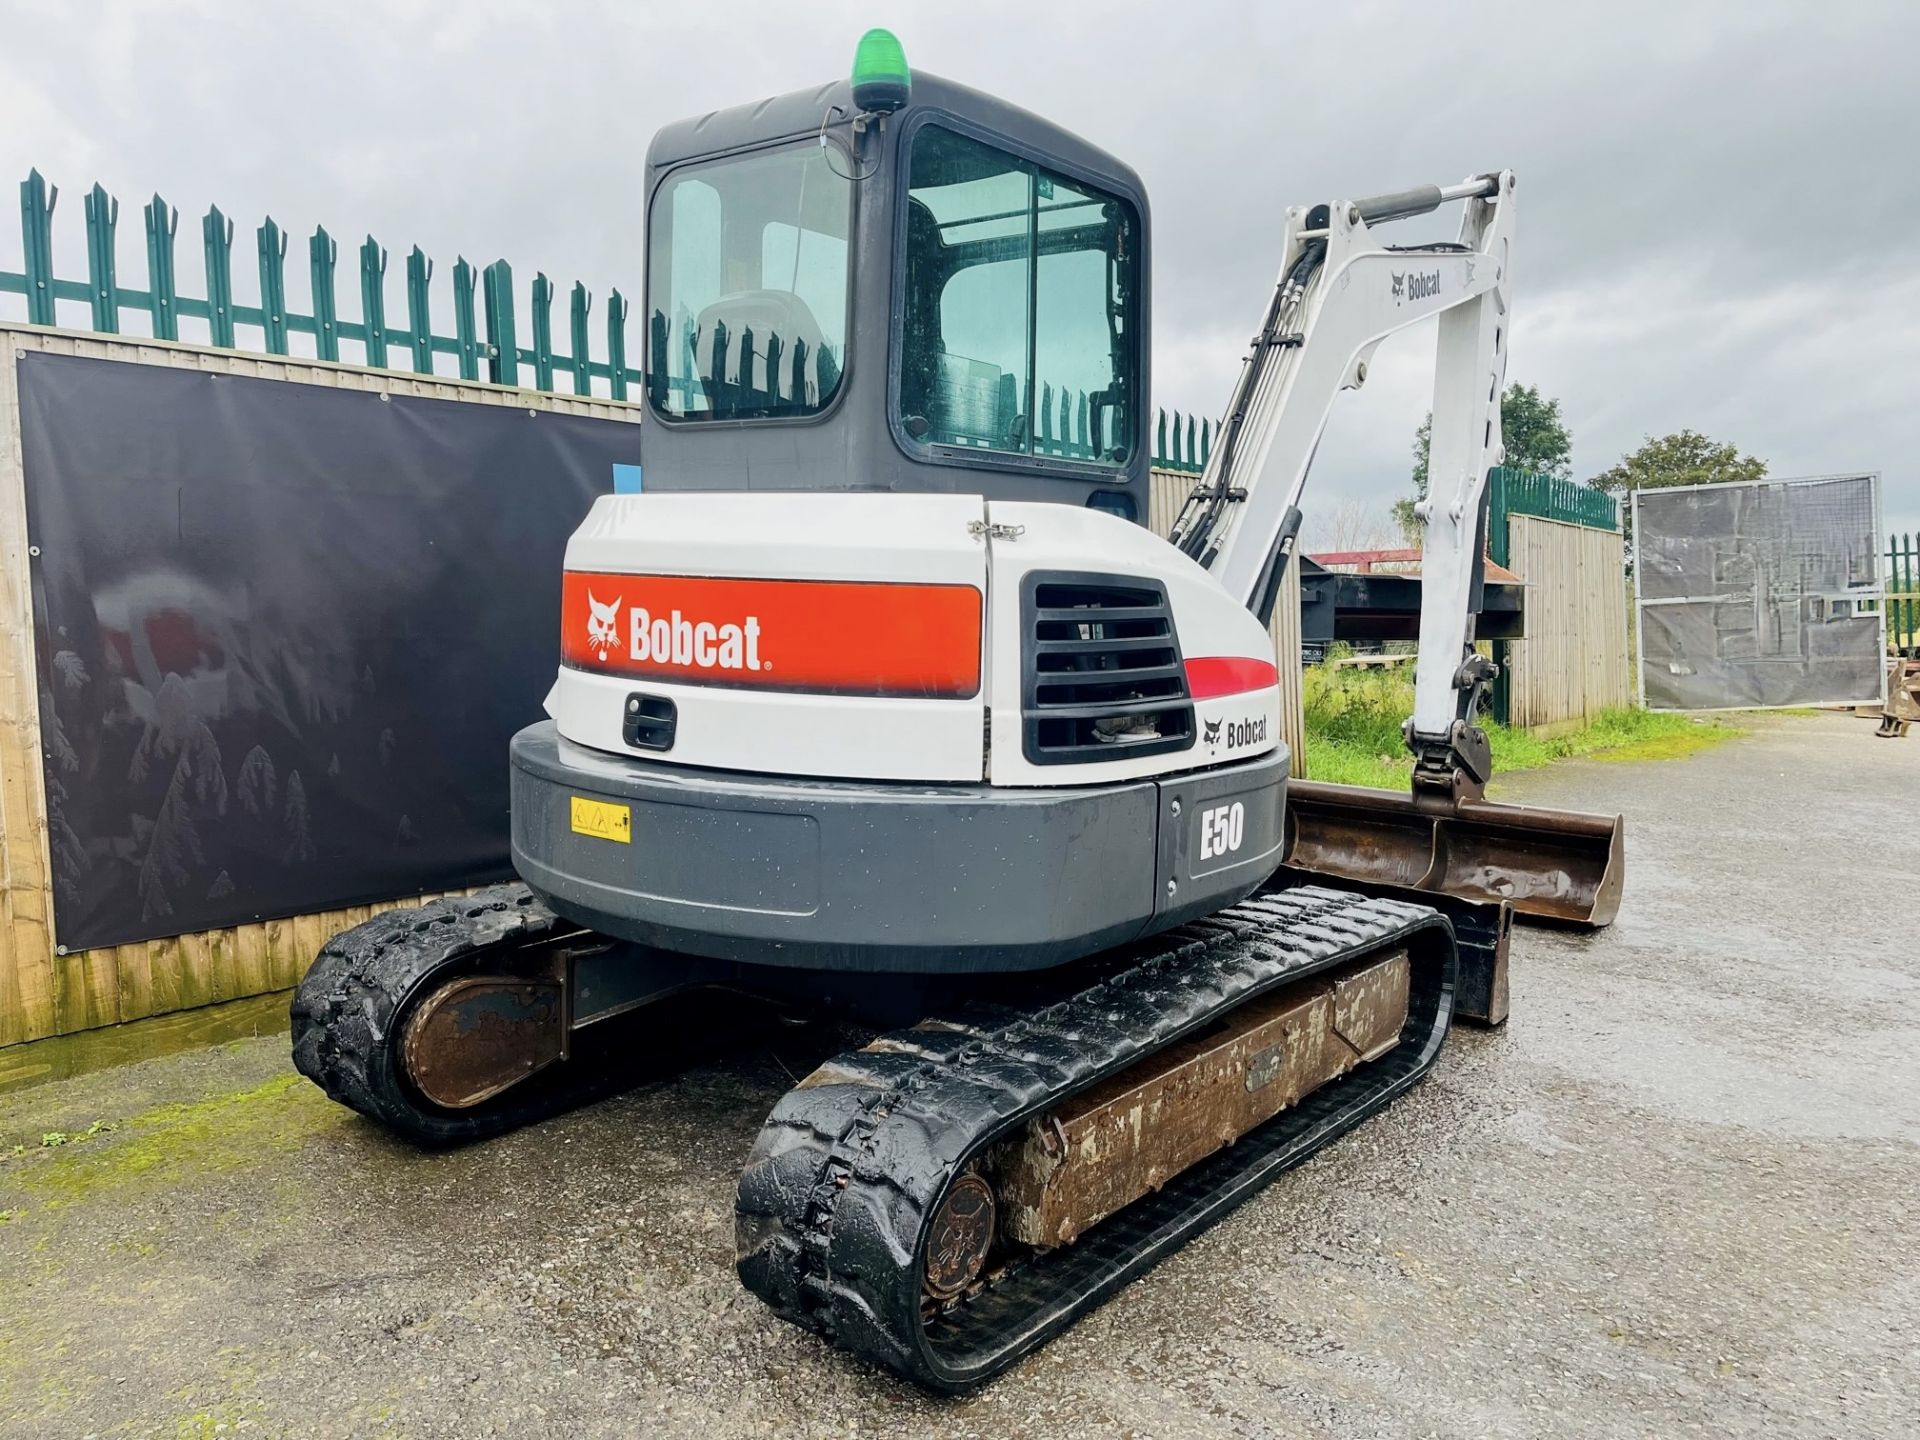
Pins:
x: 902, y: 638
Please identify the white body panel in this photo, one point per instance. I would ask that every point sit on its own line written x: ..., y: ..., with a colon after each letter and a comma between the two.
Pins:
x: 825, y: 536
x: 780, y: 733
x: 1209, y: 624
x: 905, y: 539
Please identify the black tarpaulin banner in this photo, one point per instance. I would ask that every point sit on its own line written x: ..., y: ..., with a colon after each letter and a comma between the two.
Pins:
x: 284, y: 633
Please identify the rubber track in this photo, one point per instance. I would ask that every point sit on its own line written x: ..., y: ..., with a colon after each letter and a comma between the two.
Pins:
x: 348, y: 1011
x: 835, y: 1198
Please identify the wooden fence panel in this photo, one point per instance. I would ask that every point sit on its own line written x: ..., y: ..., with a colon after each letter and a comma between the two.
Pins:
x: 44, y: 992
x: 1573, y: 662
x: 1169, y: 492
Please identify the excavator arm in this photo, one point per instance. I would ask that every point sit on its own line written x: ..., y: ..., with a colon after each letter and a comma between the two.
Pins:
x: 1340, y: 292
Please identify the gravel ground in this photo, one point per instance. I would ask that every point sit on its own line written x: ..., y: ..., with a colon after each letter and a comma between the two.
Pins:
x: 1676, y: 1195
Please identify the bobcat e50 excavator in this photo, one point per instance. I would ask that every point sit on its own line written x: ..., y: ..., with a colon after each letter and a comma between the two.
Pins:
x: 880, y: 697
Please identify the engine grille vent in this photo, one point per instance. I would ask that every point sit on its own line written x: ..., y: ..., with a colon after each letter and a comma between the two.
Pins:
x: 1103, y: 674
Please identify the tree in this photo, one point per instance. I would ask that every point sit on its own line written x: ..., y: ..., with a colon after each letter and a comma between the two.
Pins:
x: 1685, y: 457
x: 1535, y: 436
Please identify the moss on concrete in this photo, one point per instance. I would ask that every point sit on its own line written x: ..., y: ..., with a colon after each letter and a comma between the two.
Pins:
x: 175, y: 1143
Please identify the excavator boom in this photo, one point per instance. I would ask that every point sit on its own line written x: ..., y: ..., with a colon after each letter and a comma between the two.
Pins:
x: 1340, y: 292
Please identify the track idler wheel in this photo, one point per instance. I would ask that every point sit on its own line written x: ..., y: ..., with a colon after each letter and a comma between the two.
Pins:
x: 447, y: 1021
x: 960, y: 1237
x: 479, y: 1035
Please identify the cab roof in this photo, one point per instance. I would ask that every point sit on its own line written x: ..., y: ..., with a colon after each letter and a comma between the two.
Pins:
x: 799, y: 113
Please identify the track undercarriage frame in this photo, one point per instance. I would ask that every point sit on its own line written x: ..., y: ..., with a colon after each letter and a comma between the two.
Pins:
x: 464, y: 1018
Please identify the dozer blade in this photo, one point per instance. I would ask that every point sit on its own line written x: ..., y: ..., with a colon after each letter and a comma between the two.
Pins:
x: 1481, y: 930
x: 1555, y: 865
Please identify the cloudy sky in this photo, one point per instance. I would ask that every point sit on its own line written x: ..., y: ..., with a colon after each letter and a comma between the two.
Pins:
x: 1719, y: 215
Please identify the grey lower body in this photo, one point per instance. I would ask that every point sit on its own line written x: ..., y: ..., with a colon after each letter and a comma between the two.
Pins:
x: 854, y: 875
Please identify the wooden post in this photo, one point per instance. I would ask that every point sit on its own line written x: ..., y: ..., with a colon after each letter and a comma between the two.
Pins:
x: 27, y: 995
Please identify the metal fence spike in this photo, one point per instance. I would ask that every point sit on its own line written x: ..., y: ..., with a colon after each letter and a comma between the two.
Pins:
x: 578, y: 304
x: 103, y: 294
x: 216, y: 234
x: 419, y: 321
x: 323, y: 253
x: 466, y: 341
x: 373, y: 300
x: 37, y: 200
x: 503, y: 352
x: 163, y: 300
x: 542, y: 331
x: 617, y: 344
x: 273, y: 285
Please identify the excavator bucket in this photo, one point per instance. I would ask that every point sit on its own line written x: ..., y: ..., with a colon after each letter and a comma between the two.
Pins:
x: 1559, y: 866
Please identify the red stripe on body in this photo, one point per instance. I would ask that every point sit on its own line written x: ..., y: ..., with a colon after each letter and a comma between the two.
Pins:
x: 835, y: 637
x: 1210, y: 676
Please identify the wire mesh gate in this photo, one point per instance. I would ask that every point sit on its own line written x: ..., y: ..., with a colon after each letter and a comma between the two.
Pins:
x: 1761, y: 594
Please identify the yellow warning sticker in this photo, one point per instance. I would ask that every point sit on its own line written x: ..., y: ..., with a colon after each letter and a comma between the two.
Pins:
x: 602, y: 820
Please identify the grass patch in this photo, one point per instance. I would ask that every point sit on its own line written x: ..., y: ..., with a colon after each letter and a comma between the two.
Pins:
x: 1354, y: 718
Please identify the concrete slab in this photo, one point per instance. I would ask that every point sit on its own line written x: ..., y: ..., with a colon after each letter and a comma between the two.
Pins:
x: 1677, y: 1194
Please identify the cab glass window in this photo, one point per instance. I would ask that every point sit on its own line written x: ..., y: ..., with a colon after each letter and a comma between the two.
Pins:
x: 747, y: 286
x: 1016, y: 331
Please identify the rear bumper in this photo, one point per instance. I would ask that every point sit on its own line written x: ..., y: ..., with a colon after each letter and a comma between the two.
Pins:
x: 845, y: 875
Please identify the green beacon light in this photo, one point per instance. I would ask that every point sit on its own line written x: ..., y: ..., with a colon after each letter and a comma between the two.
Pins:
x: 881, y: 80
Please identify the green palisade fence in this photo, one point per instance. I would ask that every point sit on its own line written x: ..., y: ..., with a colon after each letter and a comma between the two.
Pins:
x: 484, y: 341
x: 1522, y: 492
x: 1903, y: 590
x: 1180, y: 442
x: 380, y: 341
x: 1185, y: 447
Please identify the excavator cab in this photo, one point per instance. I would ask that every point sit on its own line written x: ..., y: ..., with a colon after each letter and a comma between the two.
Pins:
x: 948, y: 296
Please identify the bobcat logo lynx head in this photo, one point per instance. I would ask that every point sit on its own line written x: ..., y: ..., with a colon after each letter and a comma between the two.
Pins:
x: 602, y: 625
x: 1210, y: 731
x: 1400, y: 286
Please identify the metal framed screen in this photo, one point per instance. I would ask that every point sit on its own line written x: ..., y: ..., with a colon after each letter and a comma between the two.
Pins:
x: 1760, y: 594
